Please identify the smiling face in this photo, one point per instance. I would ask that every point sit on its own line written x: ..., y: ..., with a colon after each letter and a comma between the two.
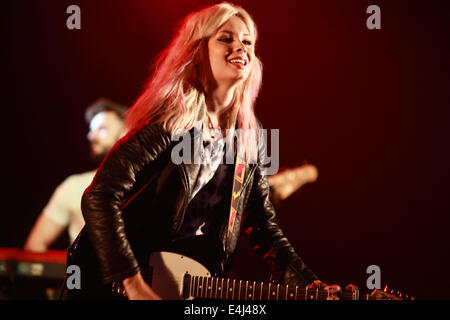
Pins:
x: 231, y: 52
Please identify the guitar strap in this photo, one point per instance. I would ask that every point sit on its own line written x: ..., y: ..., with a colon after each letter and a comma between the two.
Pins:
x: 238, y: 181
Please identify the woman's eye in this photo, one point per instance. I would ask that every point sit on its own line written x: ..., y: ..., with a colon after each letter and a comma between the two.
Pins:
x: 230, y: 40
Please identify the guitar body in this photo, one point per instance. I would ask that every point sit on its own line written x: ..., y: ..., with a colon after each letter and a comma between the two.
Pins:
x: 169, y: 271
x: 163, y: 270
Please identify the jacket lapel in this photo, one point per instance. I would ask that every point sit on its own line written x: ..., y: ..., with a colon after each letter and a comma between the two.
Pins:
x: 192, y: 168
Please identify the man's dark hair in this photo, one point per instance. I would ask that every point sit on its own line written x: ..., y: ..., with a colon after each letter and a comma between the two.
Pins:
x: 103, y: 104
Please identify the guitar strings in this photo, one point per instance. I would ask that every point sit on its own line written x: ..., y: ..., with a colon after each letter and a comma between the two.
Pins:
x: 199, y: 283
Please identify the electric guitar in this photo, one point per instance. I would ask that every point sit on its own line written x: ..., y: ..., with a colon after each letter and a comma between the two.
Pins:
x: 177, y: 277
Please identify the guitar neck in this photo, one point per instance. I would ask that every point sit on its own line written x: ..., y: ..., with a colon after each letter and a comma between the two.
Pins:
x: 231, y: 289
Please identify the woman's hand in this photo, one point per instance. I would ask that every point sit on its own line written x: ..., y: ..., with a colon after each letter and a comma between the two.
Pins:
x: 332, y: 290
x: 137, y: 289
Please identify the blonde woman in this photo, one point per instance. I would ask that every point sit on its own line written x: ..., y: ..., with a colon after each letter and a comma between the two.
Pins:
x: 143, y: 201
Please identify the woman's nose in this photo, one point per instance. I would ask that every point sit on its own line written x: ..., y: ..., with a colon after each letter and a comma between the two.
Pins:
x: 242, y: 48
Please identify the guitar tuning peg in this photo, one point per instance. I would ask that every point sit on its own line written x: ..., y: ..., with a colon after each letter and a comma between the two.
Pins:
x: 386, y: 288
x: 392, y: 291
x: 399, y: 294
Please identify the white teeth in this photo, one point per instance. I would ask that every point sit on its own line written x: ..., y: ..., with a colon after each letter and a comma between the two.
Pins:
x: 238, y: 61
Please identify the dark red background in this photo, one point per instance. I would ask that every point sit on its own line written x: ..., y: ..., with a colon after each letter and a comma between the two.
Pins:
x: 368, y: 107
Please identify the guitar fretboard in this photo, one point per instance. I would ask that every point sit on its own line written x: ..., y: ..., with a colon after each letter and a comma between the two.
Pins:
x: 232, y: 289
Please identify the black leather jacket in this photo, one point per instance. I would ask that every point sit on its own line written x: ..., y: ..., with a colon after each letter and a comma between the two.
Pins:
x: 137, y: 200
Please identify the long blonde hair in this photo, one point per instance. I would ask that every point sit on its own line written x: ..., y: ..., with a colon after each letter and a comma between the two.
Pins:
x: 174, y: 95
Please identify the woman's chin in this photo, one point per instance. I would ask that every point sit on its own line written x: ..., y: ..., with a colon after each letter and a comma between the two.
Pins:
x: 233, y: 79
x: 240, y: 76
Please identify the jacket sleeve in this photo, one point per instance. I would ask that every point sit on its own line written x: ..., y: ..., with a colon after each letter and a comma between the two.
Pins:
x: 267, y: 239
x: 102, y: 201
